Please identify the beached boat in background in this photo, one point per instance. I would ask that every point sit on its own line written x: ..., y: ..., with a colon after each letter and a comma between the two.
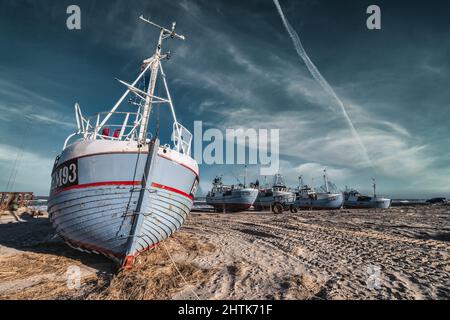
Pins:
x: 232, y: 198
x: 278, y: 193
x: 121, y: 193
x: 308, y: 198
x: 355, y: 200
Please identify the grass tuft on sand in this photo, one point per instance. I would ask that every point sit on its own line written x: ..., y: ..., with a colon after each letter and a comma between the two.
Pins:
x: 42, y: 276
x: 154, y: 276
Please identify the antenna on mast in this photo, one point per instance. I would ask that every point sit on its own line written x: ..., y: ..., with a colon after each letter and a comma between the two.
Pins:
x: 171, y: 33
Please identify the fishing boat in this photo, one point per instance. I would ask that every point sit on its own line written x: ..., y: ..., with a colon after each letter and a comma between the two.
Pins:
x: 278, y: 193
x: 310, y: 199
x: 355, y: 200
x: 116, y: 190
x: 230, y: 198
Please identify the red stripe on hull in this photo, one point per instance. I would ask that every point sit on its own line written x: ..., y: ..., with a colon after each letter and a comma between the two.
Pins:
x: 92, y: 247
x: 181, y: 164
x: 123, y: 183
x: 160, y: 186
x: 99, y: 184
x: 126, y: 261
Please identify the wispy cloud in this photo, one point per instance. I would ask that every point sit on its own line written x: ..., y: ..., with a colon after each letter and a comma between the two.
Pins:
x: 18, y: 103
x: 322, y: 81
x: 33, y: 171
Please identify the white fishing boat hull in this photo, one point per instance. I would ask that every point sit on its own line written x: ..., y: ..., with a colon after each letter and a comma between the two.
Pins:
x: 324, y: 201
x: 236, y: 201
x: 374, y: 203
x: 112, y: 198
x: 264, y: 202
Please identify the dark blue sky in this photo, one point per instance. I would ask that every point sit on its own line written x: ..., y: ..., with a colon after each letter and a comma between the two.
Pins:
x: 238, y: 68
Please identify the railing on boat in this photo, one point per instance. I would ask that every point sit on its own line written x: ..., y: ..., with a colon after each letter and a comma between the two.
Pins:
x: 126, y: 131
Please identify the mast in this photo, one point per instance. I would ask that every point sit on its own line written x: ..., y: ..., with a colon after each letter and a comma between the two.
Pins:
x: 300, y: 182
x: 278, y: 180
x: 245, y: 176
x: 154, y: 62
x: 326, y: 180
x: 374, y: 188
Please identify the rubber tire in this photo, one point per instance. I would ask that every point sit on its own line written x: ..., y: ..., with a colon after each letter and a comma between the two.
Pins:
x: 277, y: 208
x: 293, y: 209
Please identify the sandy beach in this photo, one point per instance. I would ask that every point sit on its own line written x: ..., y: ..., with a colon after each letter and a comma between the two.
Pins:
x: 400, y: 253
